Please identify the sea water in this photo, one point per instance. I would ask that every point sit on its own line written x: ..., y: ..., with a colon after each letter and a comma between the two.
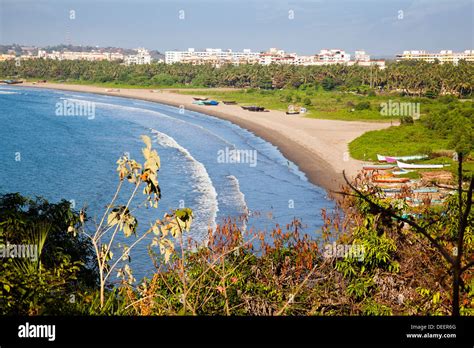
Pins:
x: 57, y: 156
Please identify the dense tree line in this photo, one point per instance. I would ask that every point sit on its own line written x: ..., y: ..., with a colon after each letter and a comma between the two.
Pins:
x: 410, y: 77
x: 454, y: 122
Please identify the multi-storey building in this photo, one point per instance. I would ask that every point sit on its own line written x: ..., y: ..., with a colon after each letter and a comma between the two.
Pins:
x: 142, y: 57
x: 444, y: 56
x: 333, y: 56
x: 218, y: 57
x: 4, y: 57
x: 214, y: 56
x: 361, y: 56
x: 90, y: 56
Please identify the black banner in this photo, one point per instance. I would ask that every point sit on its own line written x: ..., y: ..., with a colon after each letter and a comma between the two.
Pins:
x: 288, y: 331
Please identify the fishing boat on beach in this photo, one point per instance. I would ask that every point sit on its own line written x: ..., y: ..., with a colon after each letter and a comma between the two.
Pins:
x: 210, y: 102
x: 391, y: 190
x: 403, y: 165
x: 389, y: 179
x: 229, y: 102
x: 401, y: 172
x: 378, y: 167
x: 393, y: 159
x: 426, y: 190
x: 206, y: 102
x: 254, y: 108
x: 200, y: 99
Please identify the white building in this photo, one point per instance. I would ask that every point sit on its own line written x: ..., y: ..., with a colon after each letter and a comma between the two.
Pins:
x: 444, y: 56
x: 142, y: 57
x: 70, y: 55
x: 216, y: 56
x: 333, y: 56
x: 277, y: 56
x: 4, y: 57
x: 361, y: 56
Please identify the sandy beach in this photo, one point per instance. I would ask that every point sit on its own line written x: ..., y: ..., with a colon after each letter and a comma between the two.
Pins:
x: 318, y: 147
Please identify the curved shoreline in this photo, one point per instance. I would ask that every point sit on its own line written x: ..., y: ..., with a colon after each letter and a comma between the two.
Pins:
x: 293, y: 136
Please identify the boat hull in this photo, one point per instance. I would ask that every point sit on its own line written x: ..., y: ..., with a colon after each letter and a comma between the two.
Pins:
x: 393, y: 159
x: 418, y: 166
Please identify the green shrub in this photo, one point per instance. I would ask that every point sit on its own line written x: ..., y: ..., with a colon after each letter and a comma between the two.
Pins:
x: 64, y: 267
x: 406, y: 120
x: 363, y: 105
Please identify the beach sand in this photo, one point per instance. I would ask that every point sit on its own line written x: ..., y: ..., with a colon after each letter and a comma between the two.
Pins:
x: 318, y: 147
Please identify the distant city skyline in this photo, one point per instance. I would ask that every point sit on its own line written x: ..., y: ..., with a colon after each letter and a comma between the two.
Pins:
x: 382, y: 28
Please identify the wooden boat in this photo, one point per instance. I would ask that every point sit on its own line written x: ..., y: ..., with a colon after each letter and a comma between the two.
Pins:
x: 229, y: 102
x: 393, y: 159
x: 389, y: 179
x: 292, y: 112
x: 420, y: 201
x: 254, y: 108
x: 199, y: 98
x: 206, y: 102
x: 440, y: 176
x: 426, y: 190
x: 378, y: 167
x: 401, y: 172
x: 418, y: 166
x: 391, y: 190
x: 210, y: 102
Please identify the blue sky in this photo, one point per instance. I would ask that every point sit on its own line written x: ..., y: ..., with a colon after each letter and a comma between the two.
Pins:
x: 373, y: 25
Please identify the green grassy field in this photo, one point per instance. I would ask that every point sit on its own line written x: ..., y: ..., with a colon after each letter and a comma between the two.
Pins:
x: 347, y: 106
x: 405, y: 140
x: 320, y: 104
x: 401, y: 140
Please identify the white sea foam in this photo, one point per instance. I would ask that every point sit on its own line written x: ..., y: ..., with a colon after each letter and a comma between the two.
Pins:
x: 238, y: 198
x: 205, y: 215
x: 7, y: 92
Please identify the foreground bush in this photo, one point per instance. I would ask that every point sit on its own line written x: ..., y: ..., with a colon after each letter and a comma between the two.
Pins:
x: 63, y: 265
x: 403, y: 265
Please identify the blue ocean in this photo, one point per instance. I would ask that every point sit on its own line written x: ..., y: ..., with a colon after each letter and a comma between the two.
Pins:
x: 74, y: 158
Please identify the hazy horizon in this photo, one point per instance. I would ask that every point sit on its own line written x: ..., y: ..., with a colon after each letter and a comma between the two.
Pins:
x: 301, y: 26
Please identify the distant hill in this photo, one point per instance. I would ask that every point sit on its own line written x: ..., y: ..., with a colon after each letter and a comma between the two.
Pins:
x: 19, y: 49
